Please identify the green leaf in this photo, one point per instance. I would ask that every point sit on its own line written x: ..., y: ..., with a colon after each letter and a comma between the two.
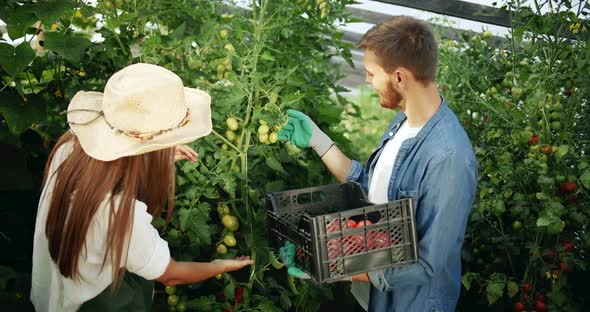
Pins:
x: 468, y: 278
x: 285, y: 301
x: 541, y: 196
x: 195, y: 222
x: 20, y: 116
x: 498, y: 208
x: 555, y: 207
x: 274, y: 164
x: 518, y: 32
x: 274, y: 186
x: 551, y: 221
x: 228, y: 183
x: 183, y: 216
x: 15, y: 60
x: 292, y: 284
x: 70, y: 46
x: 267, y: 56
x: 556, y: 227
x: 189, y: 167
x: 495, y: 290
x: 6, y: 136
x: 212, y: 193
x: 229, y: 290
x: 544, y: 180
x: 561, y: 151
x: 204, y: 304
x: 18, y: 20
x: 267, y: 305
x: 159, y: 223
x: 512, y: 289
x: 543, y: 221
x: 50, y: 11
x: 178, y: 33
x: 585, y: 179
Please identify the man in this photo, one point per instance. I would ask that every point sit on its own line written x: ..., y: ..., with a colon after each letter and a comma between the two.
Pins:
x: 424, y: 153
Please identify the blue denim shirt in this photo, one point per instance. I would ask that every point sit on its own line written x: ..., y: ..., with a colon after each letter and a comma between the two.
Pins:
x: 438, y: 169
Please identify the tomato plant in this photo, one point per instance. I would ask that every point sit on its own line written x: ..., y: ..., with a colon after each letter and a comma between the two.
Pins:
x: 531, y: 143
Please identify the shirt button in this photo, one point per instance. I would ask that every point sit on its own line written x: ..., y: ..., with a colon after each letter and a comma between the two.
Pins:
x: 390, y: 133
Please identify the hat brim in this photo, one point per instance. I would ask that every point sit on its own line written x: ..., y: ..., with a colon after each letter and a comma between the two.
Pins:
x: 101, y: 142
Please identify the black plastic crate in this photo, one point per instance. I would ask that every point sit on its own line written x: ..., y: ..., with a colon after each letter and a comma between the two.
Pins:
x: 316, y: 220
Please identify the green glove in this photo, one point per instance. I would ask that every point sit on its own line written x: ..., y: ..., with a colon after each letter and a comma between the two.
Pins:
x: 303, y: 132
x: 287, y: 253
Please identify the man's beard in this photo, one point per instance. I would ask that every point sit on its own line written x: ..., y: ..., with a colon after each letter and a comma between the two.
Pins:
x: 391, y: 99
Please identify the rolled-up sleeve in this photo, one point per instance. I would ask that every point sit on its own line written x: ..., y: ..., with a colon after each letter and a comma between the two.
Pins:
x: 357, y: 174
x: 149, y: 254
x: 448, y: 191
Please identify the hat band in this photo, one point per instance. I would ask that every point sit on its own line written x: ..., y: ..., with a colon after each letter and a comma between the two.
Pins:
x: 142, y: 136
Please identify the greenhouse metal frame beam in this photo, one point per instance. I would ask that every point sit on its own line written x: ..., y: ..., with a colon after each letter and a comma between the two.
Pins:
x: 447, y: 32
x: 456, y: 8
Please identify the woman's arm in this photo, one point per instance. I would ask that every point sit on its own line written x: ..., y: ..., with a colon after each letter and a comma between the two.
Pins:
x: 191, y: 272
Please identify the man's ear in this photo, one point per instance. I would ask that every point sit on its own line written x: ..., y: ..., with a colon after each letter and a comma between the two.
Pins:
x: 399, y: 78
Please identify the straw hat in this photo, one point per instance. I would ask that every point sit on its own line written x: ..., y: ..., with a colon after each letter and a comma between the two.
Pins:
x: 143, y: 108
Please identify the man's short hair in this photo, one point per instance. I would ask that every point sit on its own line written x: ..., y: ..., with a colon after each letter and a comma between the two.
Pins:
x: 404, y: 41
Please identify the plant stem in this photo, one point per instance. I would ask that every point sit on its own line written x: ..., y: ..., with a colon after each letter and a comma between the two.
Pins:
x: 246, y: 134
x: 226, y: 141
x: 506, y: 249
x: 513, y: 41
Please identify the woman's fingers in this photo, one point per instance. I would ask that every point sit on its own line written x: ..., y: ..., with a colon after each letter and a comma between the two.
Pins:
x: 185, y: 152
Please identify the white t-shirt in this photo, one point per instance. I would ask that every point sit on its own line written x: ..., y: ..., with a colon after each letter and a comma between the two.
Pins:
x: 148, y: 254
x: 378, y: 186
x: 378, y: 189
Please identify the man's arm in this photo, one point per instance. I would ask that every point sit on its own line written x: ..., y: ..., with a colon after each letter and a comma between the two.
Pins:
x: 338, y: 163
x: 301, y: 131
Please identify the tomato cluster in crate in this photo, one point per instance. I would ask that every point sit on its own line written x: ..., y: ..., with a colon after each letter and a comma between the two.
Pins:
x: 338, y: 233
x: 355, y: 243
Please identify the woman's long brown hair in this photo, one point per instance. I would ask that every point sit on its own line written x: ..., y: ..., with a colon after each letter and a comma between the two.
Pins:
x: 83, y: 183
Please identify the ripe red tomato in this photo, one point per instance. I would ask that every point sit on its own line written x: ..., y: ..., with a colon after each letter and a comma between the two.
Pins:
x: 546, y: 149
x: 351, y: 224
x: 565, y: 267
x: 527, y: 287
x: 519, y: 306
x: 550, y: 254
x: 363, y: 223
x: 568, y: 246
x: 567, y: 187
x: 541, y: 298
x: 239, y: 294
x: 540, y: 306
x: 534, y: 140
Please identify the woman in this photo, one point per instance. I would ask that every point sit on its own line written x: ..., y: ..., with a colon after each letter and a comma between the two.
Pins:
x: 105, y: 180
